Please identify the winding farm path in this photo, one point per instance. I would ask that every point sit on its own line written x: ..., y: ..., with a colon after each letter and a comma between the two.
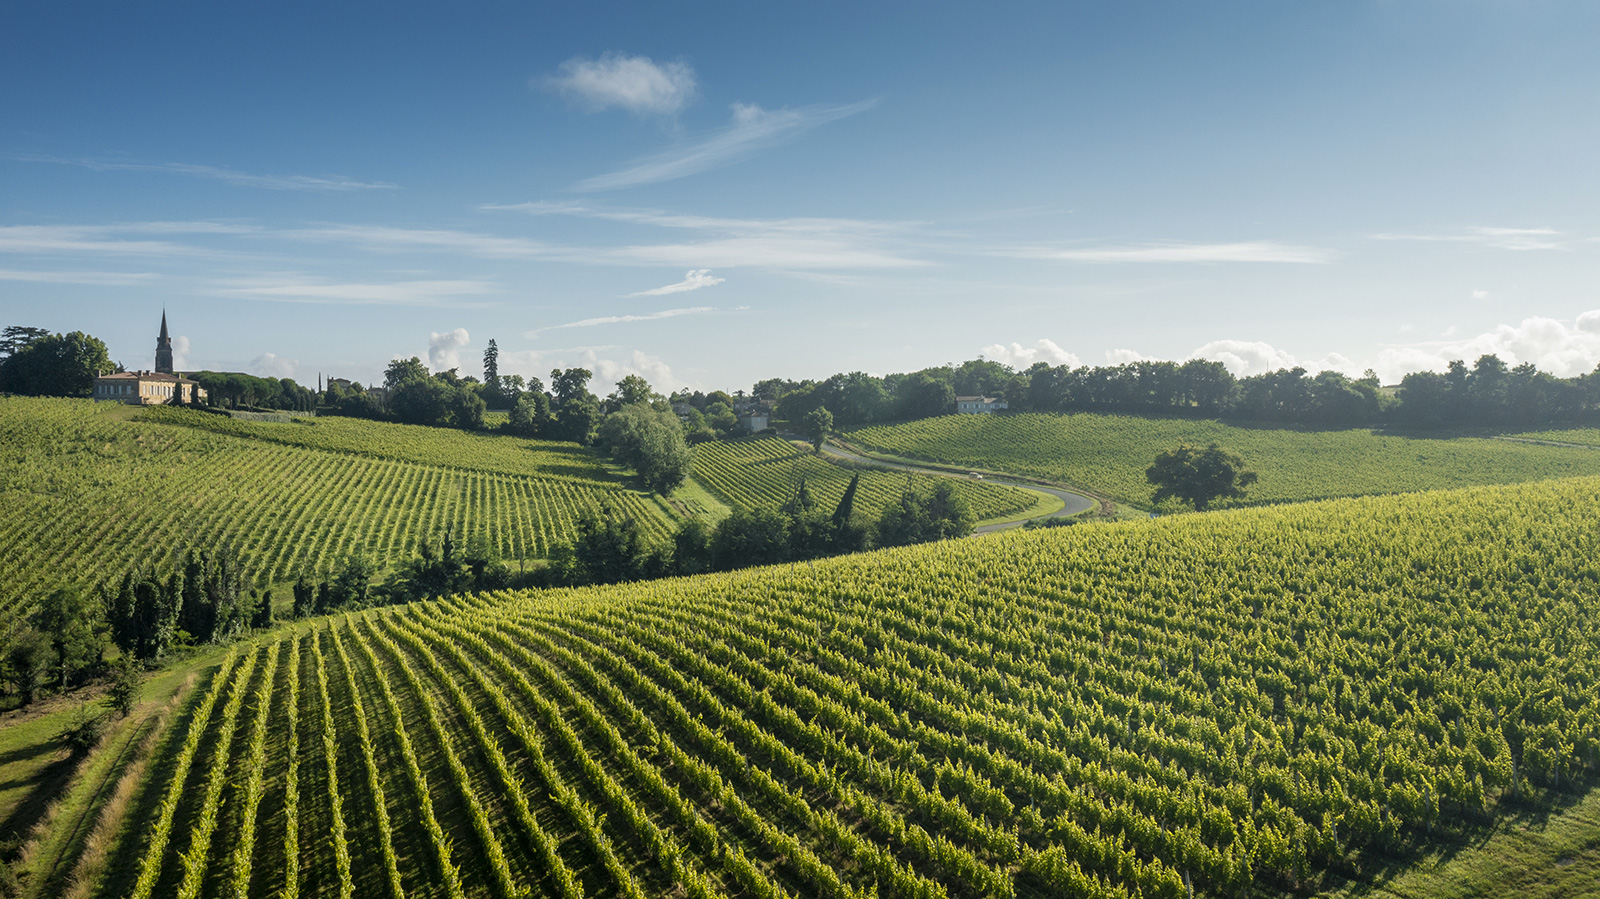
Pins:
x: 1072, y: 503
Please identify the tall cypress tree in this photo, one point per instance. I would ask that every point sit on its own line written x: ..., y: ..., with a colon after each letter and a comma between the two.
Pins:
x: 491, y: 368
x: 847, y: 503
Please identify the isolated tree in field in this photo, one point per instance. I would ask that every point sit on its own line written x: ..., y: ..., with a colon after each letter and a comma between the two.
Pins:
x: 649, y: 441
x: 816, y: 425
x: 1198, y: 476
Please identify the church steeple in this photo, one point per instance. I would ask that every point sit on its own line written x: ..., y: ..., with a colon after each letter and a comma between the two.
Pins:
x: 164, y: 347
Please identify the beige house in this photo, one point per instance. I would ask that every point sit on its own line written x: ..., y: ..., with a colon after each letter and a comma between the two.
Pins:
x: 979, y: 405
x: 147, y: 388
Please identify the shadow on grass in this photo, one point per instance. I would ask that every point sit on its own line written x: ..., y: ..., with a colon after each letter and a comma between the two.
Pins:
x: 49, y: 782
x: 1371, y: 870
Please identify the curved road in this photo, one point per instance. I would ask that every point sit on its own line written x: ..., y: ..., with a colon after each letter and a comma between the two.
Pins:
x: 1074, y: 503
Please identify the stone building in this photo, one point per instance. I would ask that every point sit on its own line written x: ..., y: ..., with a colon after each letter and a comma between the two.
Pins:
x: 150, y: 388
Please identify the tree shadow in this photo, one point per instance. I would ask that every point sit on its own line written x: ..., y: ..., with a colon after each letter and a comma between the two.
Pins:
x: 1364, y: 872
x: 50, y: 782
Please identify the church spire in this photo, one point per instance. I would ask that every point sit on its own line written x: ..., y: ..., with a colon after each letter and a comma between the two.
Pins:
x: 164, y: 347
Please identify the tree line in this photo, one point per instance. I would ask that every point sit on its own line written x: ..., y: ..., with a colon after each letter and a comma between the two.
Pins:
x: 1488, y: 393
x: 206, y: 597
x: 611, y: 547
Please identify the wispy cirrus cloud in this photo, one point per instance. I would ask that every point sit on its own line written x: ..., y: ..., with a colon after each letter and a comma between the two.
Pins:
x: 624, y: 319
x: 752, y: 129
x: 292, y: 288
x: 125, y: 238
x: 791, y: 244
x: 1173, y: 252
x: 616, y: 80
x: 218, y: 173
x: 381, y: 238
x: 100, y: 279
x: 692, y: 280
x: 1499, y: 238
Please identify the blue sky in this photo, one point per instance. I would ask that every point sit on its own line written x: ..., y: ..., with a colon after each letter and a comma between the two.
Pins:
x: 709, y: 194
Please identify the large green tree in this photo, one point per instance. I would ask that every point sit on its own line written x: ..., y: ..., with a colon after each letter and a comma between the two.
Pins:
x: 55, y: 365
x: 72, y: 621
x: 924, y: 514
x: 650, y: 441
x: 530, y: 415
x: 1198, y: 476
x: 817, y: 424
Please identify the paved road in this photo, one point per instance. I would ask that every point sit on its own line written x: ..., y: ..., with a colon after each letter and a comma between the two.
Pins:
x: 1075, y: 503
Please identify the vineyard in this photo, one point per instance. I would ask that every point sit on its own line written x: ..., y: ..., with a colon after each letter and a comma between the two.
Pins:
x: 767, y: 472
x: 1109, y: 454
x: 88, y: 495
x: 443, y: 447
x: 1281, y: 698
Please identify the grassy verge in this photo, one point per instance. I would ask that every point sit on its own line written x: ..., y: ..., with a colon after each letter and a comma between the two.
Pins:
x: 693, y: 499
x: 1043, y: 505
x: 1530, y: 856
x: 54, y: 799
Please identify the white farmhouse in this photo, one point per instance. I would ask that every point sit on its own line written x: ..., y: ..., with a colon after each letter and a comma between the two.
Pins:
x: 979, y: 405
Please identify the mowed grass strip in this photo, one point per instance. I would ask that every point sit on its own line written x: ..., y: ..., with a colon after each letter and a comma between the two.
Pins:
x: 1109, y: 454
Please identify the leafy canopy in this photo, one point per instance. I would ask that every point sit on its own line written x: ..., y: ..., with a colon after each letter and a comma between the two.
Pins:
x: 1198, y: 476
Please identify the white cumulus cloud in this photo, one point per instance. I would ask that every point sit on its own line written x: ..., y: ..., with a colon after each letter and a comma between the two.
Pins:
x: 1122, y: 356
x: 1554, y: 346
x: 607, y: 372
x: 692, y: 280
x: 444, y: 349
x: 1244, y: 357
x: 271, y: 365
x: 1020, y: 357
x: 634, y: 83
x: 180, y: 353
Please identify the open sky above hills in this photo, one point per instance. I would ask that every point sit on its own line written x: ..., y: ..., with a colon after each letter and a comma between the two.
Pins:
x: 713, y: 194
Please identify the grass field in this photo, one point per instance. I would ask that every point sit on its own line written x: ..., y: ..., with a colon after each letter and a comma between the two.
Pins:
x: 767, y: 472
x: 1109, y: 454
x: 1584, y: 436
x: 88, y: 493
x: 1256, y: 701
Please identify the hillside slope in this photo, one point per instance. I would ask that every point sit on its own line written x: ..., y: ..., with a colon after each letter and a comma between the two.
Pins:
x: 767, y: 472
x: 1275, y: 699
x: 1109, y: 454
x: 88, y: 494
